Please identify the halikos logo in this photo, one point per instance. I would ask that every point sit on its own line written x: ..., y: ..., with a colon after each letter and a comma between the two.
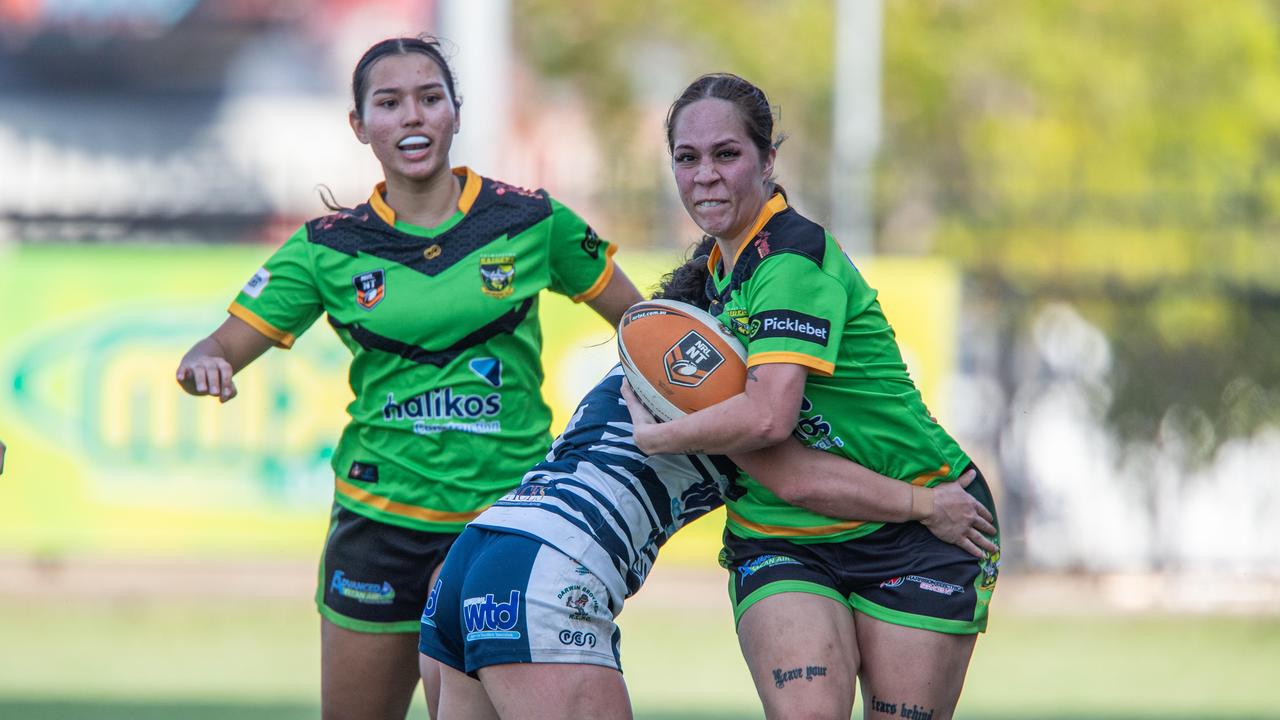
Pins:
x: 488, y: 619
x: 446, y: 408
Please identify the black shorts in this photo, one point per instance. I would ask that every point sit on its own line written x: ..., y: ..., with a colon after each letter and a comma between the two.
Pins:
x: 375, y: 577
x: 900, y: 573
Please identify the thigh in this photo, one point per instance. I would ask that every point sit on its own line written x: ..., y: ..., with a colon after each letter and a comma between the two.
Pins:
x: 556, y: 691
x: 366, y: 675
x: 908, y: 671
x: 462, y: 697
x: 802, y: 653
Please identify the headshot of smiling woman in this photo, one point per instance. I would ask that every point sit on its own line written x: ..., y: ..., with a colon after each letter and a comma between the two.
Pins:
x: 448, y: 412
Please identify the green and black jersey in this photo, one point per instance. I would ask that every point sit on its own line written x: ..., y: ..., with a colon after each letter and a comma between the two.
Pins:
x: 442, y: 324
x: 793, y: 296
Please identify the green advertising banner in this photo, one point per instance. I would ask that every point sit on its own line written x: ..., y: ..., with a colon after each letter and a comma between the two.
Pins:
x: 106, y: 455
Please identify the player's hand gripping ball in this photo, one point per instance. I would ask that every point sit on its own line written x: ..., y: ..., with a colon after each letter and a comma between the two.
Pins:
x: 678, y: 358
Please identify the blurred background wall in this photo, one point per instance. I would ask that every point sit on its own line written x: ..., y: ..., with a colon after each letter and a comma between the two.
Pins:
x: 1070, y: 208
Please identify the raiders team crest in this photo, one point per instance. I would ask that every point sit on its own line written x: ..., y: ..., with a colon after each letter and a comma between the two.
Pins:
x: 496, y: 274
x: 691, y: 360
x: 371, y: 287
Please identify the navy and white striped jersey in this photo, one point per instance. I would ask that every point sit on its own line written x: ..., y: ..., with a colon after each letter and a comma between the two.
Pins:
x: 602, y: 502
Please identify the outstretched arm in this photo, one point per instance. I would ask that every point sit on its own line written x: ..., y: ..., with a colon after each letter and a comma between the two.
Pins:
x: 830, y: 485
x: 207, y: 367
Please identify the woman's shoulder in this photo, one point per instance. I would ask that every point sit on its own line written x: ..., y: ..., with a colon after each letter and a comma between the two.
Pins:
x: 790, y: 232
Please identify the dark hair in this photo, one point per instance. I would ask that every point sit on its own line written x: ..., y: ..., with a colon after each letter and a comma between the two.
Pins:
x: 426, y: 45
x: 752, y: 106
x: 688, y: 283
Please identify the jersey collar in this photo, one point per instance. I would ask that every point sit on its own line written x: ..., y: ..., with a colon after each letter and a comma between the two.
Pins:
x: 470, y: 190
x: 776, y: 204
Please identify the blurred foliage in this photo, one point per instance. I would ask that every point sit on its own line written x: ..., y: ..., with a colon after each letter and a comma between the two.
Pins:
x: 1124, y: 157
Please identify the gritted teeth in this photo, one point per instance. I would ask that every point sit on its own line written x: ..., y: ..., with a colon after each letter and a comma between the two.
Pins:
x: 414, y: 142
x: 709, y: 203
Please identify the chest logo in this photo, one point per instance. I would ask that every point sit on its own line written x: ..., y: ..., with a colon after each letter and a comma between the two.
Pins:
x: 371, y: 287
x: 432, y: 252
x: 738, y: 321
x: 496, y: 273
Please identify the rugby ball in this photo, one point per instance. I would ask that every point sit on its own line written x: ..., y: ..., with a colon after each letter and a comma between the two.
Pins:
x: 678, y: 358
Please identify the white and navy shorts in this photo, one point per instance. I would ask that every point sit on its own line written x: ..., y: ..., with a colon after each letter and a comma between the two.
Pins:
x: 505, y: 598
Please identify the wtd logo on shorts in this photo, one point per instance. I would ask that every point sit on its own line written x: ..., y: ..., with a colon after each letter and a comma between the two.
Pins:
x: 429, y: 611
x: 362, y: 592
x: 488, y: 619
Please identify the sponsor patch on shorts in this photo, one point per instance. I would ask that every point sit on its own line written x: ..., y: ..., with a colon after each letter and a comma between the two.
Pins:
x: 487, y: 619
x: 924, y: 583
x: 429, y: 610
x: 369, y: 593
x: 763, y: 562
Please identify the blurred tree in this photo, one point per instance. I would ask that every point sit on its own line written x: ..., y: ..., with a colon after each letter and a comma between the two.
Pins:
x: 1119, y: 155
x: 1124, y: 157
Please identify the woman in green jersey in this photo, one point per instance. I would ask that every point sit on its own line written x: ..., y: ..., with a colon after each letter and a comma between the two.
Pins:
x: 433, y: 285
x: 818, y: 600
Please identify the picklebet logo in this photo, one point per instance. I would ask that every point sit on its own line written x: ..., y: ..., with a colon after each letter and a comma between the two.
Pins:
x: 789, y: 324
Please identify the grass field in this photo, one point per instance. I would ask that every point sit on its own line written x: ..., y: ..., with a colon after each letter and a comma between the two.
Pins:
x: 156, y: 656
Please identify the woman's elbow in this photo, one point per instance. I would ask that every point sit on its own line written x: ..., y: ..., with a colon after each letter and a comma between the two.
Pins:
x: 771, y: 431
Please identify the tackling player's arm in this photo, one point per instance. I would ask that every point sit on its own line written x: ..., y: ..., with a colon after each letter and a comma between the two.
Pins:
x: 615, y: 298
x: 761, y: 416
x: 833, y: 486
x: 830, y: 485
x: 207, y: 367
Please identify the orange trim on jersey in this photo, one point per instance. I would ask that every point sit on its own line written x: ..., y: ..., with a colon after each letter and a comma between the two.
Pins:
x: 924, y: 479
x: 785, y: 531
x: 365, y: 497
x: 821, y: 367
x: 776, y: 204
x: 601, y: 282
x: 380, y: 206
x: 280, y: 337
x: 470, y: 191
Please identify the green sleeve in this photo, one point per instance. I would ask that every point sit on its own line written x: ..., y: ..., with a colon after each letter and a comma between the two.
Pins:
x: 796, y: 314
x: 282, y: 299
x: 581, y: 262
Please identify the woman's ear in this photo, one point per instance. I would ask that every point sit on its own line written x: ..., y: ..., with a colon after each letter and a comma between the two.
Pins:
x: 768, y: 163
x: 357, y: 126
